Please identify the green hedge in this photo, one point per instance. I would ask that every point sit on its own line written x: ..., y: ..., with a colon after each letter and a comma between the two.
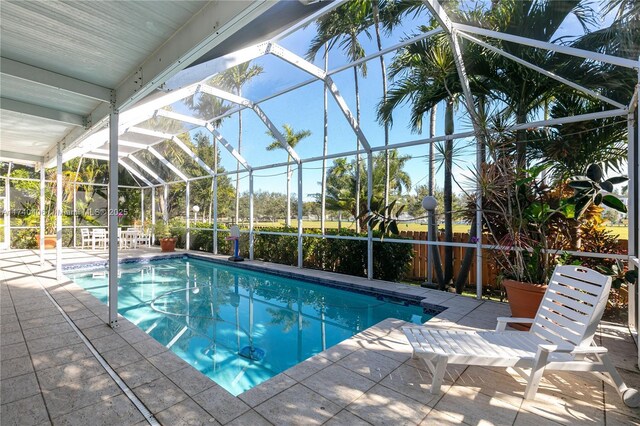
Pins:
x: 391, y: 261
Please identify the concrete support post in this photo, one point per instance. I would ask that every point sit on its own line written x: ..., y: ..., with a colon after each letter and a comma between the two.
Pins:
x: 300, y: 201
x: 113, y: 218
x: 369, y: 230
x: 251, y: 235
x: 42, y: 212
x: 59, y: 212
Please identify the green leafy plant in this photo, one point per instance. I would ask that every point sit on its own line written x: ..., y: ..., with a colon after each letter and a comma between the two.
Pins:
x: 592, y: 188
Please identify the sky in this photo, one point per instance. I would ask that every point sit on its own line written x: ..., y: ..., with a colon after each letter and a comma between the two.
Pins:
x: 303, y: 110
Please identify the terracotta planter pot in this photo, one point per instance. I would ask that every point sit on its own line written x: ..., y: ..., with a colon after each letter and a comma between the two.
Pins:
x: 49, y: 241
x: 168, y: 244
x: 524, y: 300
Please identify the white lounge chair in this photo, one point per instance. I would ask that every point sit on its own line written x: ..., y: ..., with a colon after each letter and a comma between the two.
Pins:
x: 561, y: 337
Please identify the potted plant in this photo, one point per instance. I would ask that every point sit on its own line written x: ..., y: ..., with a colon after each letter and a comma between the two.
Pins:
x: 50, y: 237
x: 519, y: 219
x: 531, y: 224
x: 163, y: 234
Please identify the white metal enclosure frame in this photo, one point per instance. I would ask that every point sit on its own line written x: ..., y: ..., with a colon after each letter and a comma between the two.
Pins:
x: 89, y: 144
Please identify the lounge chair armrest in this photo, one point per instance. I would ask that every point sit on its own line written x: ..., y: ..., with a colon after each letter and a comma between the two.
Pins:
x: 573, y: 350
x: 503, y: 321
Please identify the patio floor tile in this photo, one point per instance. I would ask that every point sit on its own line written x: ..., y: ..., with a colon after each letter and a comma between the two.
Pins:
x: 383, y: 406
x: 27, y: 411
x: 16, y: 367
x: 338, y: 384
x: 469, y: 405
x: 69, y: 374
x: 65, y: 399
x: 187, y: 413
x: 265, y: 390
x: 159, y: 394
x: 369, y: 364
x: 138, y: 373
x: 251, y: 418
x: 191, y: 381
x: 60, y: 356
x: 19, y: 387
x: 223, y: 406
x: 297, y: 405
x: 118, y: 410
x: 346, y: 418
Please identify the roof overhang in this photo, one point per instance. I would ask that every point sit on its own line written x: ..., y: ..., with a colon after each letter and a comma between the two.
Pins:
x: 59, y: 81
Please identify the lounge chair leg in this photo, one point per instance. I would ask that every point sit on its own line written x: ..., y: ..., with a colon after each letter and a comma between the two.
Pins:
x: 438, y: 374
x: 536, y: 374
x: 631, y: 397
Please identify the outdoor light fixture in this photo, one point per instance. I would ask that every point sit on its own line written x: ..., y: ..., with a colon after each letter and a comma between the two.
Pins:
x: 122, y: 199
x: 195, y: 209
x: 430, y: 203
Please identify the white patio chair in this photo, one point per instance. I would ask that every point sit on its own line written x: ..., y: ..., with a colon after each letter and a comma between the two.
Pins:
x: 85, y: 237
x: 561, y: 337
x: 100, y: 238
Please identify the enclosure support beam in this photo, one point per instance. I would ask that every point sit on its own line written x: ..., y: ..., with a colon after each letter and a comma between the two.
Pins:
x: 300, y: 211
x: 151, y: 173
x: 542, y: 71
x: 633, y: 164
x: 342, y: 104
x: 142, y: 206
x: 440, y: 15
x: 215, y: 214
x: 187, y: 244
x: 251, y: 234
x: 7, y: 206
x: 218, y: 137
x: 134, y: 172
x: 609, y: 59
x: 59, y: 212
x: 153, y: 214
x: 193, y: 156
x: 325, y: 145
x: 113, y: 217
x: 41, y: 213
x: 165, y: 212
x: 369, y: 229
x: 167, y: 163
x: 259, y: 112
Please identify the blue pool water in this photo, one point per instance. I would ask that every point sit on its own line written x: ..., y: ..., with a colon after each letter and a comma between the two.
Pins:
x: 237, y: 326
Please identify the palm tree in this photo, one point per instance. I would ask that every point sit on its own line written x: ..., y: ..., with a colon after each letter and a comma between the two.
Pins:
x: 342, y: 187
x: 293, y: 138
x: 341, y: 27
x: 428, y: 74
x: 234, y: 79
x: 208, y: 107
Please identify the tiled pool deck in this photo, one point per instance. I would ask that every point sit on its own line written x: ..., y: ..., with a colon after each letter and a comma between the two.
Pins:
x: 50, y: 376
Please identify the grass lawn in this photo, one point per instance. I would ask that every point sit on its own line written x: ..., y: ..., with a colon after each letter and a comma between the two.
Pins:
x: 621, y: 231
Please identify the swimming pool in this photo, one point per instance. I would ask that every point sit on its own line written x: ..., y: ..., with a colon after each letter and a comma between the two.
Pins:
x: 240, y: 327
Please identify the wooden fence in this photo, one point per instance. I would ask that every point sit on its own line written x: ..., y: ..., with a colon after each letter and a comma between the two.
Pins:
x: 489, y: 271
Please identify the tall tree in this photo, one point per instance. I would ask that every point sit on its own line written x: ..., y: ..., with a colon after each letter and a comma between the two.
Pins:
x: 293, y: 138
x: 234, y: 79
x: 341, y: 27
x: 342, y: 187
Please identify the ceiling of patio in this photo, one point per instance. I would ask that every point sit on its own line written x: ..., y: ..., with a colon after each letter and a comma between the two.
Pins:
x: 62, y: 62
